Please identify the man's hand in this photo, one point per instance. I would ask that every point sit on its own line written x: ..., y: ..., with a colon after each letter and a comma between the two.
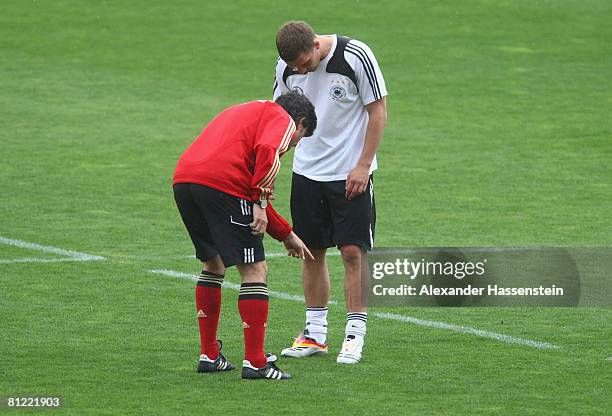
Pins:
x: 260, y: 220
x: 296, y: 247
x: 357, y: 181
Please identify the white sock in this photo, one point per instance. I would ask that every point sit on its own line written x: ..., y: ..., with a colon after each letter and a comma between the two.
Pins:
x: 356, y: 324
x: 316, y: 324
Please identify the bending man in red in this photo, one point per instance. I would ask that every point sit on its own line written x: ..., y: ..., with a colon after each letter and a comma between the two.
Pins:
x: 222, y: 186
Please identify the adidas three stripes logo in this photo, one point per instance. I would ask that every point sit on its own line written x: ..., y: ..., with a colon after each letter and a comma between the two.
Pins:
x: 249, y: 255
x: 274, y: 373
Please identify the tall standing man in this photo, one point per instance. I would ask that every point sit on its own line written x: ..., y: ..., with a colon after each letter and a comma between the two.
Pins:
x: 222, y: 186
x: 332, y: 195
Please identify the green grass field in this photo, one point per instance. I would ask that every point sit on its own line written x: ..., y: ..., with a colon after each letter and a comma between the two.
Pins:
x: 499, y: 134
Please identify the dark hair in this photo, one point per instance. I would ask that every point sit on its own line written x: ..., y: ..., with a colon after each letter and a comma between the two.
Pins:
x: 294, y: 38
x: 299, y: 107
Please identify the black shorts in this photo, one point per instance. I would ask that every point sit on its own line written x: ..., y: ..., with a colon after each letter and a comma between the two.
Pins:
x: 218, y: 223
x: 323, y: 217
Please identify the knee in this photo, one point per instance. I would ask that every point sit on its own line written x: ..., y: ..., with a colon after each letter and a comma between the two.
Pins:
x: 214, y: 265
x: 319, y: 260
x: 254, y: 272
x: 260, y: 271
x: 352, y: 255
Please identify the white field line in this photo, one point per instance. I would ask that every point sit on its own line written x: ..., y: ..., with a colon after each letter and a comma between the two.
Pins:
x: 69, y: 255
x: 391, y: 316
x: 38, y: 260
x: 467, y: 330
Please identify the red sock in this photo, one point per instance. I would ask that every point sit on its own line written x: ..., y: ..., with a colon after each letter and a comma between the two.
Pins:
x: 208, y: 303
x: 253, y: 307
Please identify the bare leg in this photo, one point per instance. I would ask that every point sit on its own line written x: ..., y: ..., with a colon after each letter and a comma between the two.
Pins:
x: 253, y: 272
x: 356, y: 284
x: 315, y: 279
x: 214, y: 265
x: 356, y: 278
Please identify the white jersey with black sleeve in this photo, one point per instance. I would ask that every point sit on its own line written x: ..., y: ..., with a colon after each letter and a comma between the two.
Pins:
x: 346, y: 80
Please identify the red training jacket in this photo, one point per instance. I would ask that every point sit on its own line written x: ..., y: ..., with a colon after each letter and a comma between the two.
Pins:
x: 238, y: 153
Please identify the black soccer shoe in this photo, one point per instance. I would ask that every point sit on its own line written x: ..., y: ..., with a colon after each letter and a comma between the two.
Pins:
x: 206, y: 365
x: 268, y: 372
